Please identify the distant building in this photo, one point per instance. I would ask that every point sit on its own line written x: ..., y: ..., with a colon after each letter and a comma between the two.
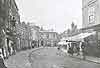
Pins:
x: 91, y: 22
x: 29, y: 35
x: 34, y: 35
x: 49, y: 38
x: 23, y: 33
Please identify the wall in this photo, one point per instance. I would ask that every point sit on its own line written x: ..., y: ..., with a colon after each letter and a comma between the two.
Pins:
x: 91, y: 18
x: 87, y: 8
x: 50, y: 38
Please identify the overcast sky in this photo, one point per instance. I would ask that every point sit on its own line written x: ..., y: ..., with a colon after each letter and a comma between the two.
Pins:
x: 56, y: 14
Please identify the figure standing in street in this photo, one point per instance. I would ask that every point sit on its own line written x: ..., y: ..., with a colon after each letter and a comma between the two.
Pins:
x: 59, y: 52
x: 70, y: 51
x: 83, y: 50
x: 58, y: 47
x: 78, y: 49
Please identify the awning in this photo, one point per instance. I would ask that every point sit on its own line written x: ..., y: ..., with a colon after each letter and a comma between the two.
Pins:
x: 80, y: 36
x: 64, y: 39
x: 62, y: 43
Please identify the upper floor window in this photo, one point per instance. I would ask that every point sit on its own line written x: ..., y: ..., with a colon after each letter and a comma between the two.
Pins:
x: 91, y: 14
x: 91, y: 18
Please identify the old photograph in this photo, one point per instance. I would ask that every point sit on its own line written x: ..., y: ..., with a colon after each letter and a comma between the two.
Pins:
x: 49, y: 33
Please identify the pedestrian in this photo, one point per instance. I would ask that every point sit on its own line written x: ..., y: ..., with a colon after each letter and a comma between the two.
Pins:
x: 83, y: 46
x: 78, y: 50
x: 2, y: 65
x: 70, y: 51
x: 59, y: 50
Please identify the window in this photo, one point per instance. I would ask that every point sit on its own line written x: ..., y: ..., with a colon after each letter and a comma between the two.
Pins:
x: 91, y: 14
x: 91, y: 18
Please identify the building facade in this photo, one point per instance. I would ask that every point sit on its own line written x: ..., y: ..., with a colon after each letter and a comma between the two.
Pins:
x: 34, y: 35
x: 9, y: 16
x: 3, y: 20
x: 23, y: 34
x: 49, y: 38
x: 91, y: 23
x: 91, y: 15
x: 29, y: 35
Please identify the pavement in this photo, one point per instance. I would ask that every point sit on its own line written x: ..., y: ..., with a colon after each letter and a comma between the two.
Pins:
x: 46, y: 57
x: 88, y: 58
x: 20, y: 60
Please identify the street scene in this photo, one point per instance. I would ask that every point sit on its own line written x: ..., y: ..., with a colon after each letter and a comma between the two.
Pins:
x: 45, y: 58
x: 49, y: 34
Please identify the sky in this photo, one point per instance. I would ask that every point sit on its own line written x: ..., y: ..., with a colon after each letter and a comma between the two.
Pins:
x: 51, y: 14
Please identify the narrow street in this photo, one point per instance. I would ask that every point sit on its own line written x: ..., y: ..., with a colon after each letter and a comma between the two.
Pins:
x: 31, y: 31
x: 47, y: 57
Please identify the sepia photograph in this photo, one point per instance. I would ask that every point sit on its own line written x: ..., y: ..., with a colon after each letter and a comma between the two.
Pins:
x: 49, y: 33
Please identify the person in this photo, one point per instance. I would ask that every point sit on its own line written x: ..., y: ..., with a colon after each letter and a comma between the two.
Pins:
x: 78, y: 50
x: 83, y: 50
x: 70, y: 51
x: 58, y: 52
x: 2, y: 65
x: 59, y: 47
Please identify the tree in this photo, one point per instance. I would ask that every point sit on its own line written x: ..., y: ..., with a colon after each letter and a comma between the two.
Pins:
x: 72, y: 25
x: 68, y: 31
x: 73, y: 30
x: 41, y: 29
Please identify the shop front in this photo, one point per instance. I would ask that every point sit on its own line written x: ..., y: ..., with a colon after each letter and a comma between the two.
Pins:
x: 93, y: 41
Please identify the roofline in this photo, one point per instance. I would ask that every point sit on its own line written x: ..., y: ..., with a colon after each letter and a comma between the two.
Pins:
x: 95, y: 26
x: 15, y: 4
x: 48, y: 31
